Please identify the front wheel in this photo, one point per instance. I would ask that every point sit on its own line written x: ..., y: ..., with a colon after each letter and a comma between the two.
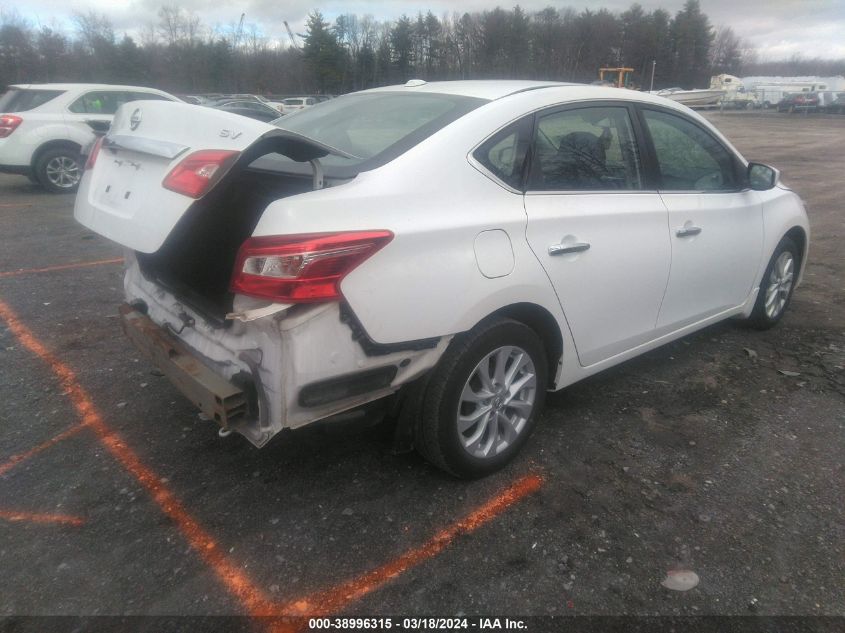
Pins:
x: 483, y: 398
x: 59, y: 170
x: 777, y: 286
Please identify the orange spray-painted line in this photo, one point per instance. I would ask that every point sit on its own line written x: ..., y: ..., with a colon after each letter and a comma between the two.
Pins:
x: 50, y: 269
x: 30, y: 517
x: 14, y: 460
x: 235, y: 580
x: 333, y: 600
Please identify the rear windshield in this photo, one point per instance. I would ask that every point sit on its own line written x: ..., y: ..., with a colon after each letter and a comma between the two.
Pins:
x: 23, y: 99
x: 377, y: 127
x: 292, y: 101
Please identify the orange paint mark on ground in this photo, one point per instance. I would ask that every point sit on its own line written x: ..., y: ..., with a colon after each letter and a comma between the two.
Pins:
x: 50, y: 269
x: 14, y: 460
x: 31, y: 517
x: 250, y: 596
x: 333, y: 600
x: 325, y: 602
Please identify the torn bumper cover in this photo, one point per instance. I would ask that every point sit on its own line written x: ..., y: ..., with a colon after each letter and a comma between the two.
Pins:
x: 216, y: 397
x: 289, y: 367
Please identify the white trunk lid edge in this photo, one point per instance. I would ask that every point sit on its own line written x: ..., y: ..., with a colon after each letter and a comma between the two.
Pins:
x: 122, y: 197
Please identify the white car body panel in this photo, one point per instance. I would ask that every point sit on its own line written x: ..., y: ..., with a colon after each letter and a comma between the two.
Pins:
x: 629, y: 248
x: 142, y: 219
x: 716, y: 269
x: 464, y: 247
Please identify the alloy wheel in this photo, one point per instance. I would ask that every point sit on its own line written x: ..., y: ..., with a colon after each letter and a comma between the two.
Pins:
x: 496, y: 401
x: 780, y: 284
x: 62, y: 172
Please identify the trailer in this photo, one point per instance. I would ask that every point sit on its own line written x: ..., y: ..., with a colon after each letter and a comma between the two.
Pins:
x: 770, y: 94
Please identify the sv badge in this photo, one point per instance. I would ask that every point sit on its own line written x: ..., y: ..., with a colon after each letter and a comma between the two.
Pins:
x: 230, y: 134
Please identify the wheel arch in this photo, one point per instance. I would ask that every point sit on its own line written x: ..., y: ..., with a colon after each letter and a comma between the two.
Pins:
x: 544, y: 324
x: 798, y: 235
x: 55, y: 144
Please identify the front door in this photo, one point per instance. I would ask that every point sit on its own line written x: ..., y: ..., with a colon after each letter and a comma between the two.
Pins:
x: 715, y: 225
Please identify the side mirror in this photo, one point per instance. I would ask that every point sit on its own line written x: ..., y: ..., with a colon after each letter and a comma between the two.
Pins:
x: 761, y: 177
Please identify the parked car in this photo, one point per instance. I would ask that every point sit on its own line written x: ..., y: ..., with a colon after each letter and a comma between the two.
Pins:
x: 832, y: 101
x: 193, y: 99
x: 458, y: 247
x: 250, y: 97
x: 799, y: 101
x: 295, y: 104
x: 44, y: 127
x: 252, y: 109
x: 838, y: 104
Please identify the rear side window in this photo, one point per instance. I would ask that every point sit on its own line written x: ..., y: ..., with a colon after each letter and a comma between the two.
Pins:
x: 586, y: 149
x: 689, y: 158
x: 503, y: 154
x: 21, y: 100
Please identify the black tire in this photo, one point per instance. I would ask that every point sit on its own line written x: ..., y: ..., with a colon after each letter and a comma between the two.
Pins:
x: 760, y: 318
x: 437, y: 436
x: 58, y: 170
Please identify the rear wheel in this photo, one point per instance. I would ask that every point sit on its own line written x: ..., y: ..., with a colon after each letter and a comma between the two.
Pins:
x: 482, y: 401
x: 59, y: 170
x: 777, y: 286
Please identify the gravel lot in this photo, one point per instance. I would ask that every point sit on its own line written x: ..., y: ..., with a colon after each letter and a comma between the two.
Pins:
x: 702, y: 455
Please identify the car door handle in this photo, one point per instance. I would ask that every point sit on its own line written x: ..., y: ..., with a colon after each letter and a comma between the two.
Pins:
x: 562, y: 249
x: 686, y: 231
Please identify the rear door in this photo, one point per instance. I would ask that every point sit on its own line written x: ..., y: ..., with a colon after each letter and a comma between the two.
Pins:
x: 715, y: 224
x: 597, y: 229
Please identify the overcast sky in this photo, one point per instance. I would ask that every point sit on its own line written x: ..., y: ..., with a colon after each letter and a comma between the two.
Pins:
x: 778, y: 28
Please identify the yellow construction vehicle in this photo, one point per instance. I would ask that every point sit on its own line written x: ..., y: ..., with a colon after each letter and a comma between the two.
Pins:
x: 623, y: 76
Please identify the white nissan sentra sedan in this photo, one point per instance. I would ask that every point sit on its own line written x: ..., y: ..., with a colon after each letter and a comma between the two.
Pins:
x: 461, y: 247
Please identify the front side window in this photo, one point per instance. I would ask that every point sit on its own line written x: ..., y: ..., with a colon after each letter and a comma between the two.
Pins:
x: 100, y: 102
x: 689, y: 158
x: 586, y: 149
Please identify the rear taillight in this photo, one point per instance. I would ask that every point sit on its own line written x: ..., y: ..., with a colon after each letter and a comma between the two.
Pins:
x: 198, y: 172
x: 8, y: 124
x: 95, y: 151
x: 302, y: 268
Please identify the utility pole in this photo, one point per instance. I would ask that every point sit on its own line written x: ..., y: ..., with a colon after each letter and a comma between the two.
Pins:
x: 653, y: 64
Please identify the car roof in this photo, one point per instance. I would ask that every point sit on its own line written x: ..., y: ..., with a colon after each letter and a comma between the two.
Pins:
x: 483, y: 88
x: 493, y: 89
x: 81, y: 87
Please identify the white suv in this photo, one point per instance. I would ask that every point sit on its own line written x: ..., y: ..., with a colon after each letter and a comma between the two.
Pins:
x: 295, y: 104
x: 44, y: 127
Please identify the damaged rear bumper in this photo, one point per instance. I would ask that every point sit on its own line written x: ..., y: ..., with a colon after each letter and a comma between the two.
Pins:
x: 219, y: 399
x: 287, y: 365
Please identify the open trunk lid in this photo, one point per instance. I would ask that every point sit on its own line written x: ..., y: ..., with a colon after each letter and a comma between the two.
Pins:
x: 123, y: 197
